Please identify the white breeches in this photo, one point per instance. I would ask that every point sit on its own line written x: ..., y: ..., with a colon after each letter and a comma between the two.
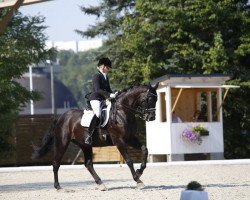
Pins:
x: 96, y: 106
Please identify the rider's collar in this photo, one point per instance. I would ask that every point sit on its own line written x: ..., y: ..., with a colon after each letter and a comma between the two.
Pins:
x: 105, y: 75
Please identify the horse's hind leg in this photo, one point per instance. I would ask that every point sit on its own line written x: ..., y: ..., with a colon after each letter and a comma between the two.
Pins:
x: 88, y: 154
x: 123, y: 150
x: 56, y: 166
x: 134, y: 142
x: 60, y: 148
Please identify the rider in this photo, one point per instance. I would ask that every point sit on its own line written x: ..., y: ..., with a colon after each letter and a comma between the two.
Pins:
x: 100, y: 91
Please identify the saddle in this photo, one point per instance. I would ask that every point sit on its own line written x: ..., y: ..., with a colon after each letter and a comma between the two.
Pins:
x: 88, y: 114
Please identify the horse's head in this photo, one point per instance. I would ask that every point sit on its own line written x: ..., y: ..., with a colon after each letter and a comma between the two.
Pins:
x: 139, y: 100
x: 148, y: 103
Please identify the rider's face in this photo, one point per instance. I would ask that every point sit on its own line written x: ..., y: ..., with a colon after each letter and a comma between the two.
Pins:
x: 106, y: 69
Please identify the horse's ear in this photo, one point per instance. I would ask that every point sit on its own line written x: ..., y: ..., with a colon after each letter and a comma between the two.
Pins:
x: 156, y: 86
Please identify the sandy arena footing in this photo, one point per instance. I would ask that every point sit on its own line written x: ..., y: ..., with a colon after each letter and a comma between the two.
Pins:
x: 223, y: 180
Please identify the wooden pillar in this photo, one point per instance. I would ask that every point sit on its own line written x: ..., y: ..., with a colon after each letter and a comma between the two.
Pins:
x: 177, y: 99
x: 169, y: 120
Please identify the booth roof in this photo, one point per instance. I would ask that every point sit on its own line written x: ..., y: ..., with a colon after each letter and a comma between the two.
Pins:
x: 188, y: 78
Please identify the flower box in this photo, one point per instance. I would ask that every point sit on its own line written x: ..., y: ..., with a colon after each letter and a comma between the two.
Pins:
x: 194, y: 134
x: 204, y: 133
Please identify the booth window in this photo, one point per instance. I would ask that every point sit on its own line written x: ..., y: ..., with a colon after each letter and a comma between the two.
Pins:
x: 208, y: 105
x: 203, y: 107
x: 190, y: 101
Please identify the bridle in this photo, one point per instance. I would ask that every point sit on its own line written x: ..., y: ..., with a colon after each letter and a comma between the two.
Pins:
x: 145, y: 110
x: 142, y: 111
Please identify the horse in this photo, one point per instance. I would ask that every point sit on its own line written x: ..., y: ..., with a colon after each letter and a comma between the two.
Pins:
x: 136, y: 100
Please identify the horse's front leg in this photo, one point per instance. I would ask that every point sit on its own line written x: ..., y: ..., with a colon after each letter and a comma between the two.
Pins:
x: 88, y: 154
x: 144, y: 150
x: 134, y: 142
x: 123, y: 150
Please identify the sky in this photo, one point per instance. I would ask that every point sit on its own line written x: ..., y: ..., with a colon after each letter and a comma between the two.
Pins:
x: 62, y: 17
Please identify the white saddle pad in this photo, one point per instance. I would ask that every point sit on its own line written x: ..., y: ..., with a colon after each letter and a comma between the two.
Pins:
x: 89, y: 114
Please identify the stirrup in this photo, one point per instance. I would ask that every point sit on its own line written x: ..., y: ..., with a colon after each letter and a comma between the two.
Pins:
x: 88, y: 140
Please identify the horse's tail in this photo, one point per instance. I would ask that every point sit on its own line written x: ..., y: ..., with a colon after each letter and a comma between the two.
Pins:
x: 47, y: 142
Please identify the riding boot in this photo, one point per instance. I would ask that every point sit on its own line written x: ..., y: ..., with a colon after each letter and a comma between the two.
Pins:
x: 93, y: 124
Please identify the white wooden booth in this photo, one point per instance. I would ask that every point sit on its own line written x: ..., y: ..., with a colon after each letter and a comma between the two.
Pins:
x: 184, y: 94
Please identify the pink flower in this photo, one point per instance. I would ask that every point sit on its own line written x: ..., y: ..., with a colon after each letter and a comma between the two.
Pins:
x: 191, y: 136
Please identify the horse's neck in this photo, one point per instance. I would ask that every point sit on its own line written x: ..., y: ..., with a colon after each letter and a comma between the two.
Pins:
x: 131, y: 100
x: 126, y: 106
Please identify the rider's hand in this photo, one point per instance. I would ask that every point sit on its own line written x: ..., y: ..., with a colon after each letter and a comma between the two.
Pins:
x: 113, y: 95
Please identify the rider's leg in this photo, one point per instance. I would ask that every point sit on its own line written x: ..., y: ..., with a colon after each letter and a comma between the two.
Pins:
x: 96, y: 106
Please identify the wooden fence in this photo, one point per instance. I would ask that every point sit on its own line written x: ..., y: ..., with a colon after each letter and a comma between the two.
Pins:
x: 29, y: 129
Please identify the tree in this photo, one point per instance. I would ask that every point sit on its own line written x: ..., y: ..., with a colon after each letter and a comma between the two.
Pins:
x: 148, y: 38
x: 21, y: 44
x: 237, y: 122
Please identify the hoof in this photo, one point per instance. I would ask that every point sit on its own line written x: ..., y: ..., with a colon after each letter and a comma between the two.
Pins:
x: 58, y: 187
x: 140, y: 185
x: 102, y: 187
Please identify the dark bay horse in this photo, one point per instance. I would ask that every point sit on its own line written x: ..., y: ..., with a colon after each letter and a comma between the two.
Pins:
x: 140, y: 99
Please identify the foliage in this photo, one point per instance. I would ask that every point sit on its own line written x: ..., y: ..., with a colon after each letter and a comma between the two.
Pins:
x: 21, y: 44
x: 148, y: 38
x: 237, y: 122
x: 194, y: 185
x: 199, y: 128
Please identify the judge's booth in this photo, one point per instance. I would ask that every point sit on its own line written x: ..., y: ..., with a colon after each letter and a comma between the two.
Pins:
x: 170, y: 138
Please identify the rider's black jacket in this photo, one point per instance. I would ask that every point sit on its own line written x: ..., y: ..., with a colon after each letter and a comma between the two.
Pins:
x: 100, y: 87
